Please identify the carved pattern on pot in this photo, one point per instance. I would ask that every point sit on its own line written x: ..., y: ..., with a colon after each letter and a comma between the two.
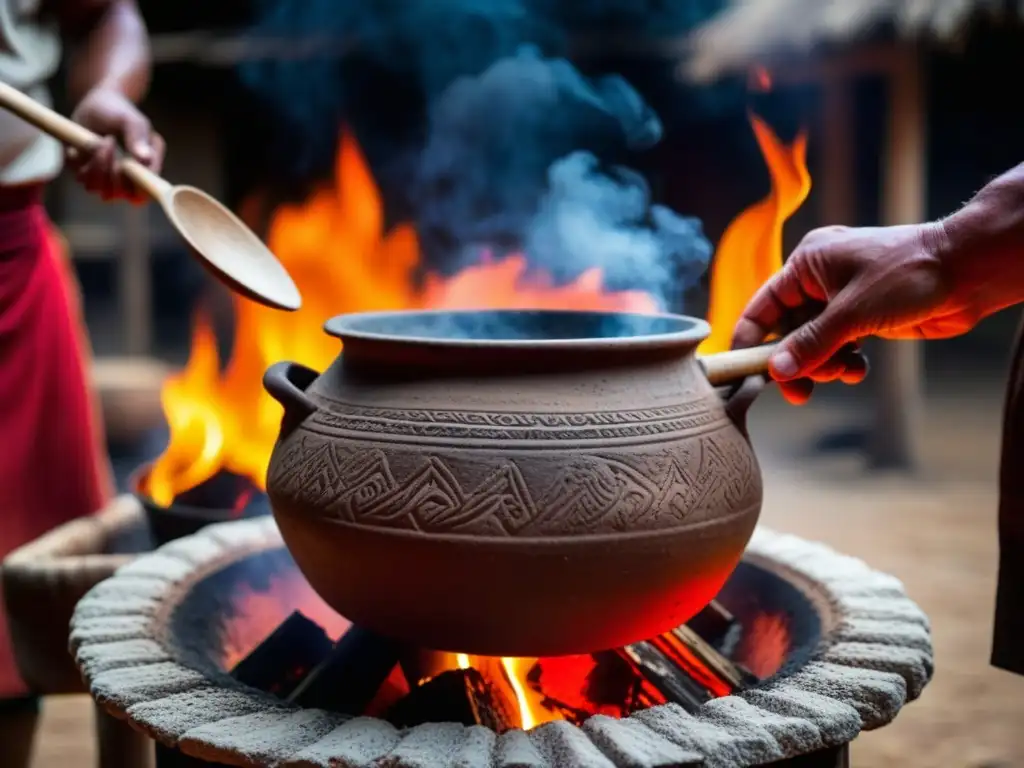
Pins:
x: 592, y: 492
x: 661, y: 423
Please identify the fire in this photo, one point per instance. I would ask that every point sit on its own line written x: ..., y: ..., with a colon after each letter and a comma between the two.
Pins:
x: 196, y: 436
x: 750, y: 250
x: 337, y: 250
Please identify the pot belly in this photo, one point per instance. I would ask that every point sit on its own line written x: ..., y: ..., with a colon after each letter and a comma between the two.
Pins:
x: 521, y: 597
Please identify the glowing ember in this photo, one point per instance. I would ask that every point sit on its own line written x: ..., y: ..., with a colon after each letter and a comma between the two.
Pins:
x: 765, y: 645
x: 335, y: 247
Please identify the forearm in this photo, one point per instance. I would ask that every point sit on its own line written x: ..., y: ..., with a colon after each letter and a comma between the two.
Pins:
x: 982, y: 245
x: 109, y: 47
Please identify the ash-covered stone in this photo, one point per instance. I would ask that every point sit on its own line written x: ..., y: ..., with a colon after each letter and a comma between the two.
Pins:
x: 107, y: 629
x: 117, y: 605
x: 122, y: 688
x: 429, y: 745
x: 145, y: 587
x: 912, y: 664
x: 902, y: 634
x: 259, y: 739
x: 514, y: 749
x: 158, y: 566
x: 358, y: 742
x: 751, y: 739
x: 794, y: 735
x: 629, y: 742
x: 101, y: 657
x: 874, y: 654
x: 566, y: 746
x: 877, y: 696
x: 168, y: 718
x: 716, y: 744
x: 241, y: 534
x: 837, y: 722
x: 476, y: 748
x: 885, y: 610
x: 194, y: 549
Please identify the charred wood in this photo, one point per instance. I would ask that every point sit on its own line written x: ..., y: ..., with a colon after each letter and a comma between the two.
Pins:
x: 670, y: 681
x: 348, y: 678
x: 460, y: 696
x: 717, y: 627
x: 286, y: 657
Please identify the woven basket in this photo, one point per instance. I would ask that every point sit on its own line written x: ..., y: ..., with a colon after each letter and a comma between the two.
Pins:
x: 44, y: 579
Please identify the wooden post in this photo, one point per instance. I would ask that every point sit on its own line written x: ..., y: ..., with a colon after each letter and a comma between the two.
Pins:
x: 897, y: 365
x: 120, y: 746
x: 837, y: 184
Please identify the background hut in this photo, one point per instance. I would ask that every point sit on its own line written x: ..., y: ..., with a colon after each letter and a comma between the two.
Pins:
x: 833, y: 43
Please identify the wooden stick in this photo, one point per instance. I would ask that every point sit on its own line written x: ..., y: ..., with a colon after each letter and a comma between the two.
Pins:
x: 728, y: 367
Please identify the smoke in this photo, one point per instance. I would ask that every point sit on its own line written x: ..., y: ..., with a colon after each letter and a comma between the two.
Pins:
x: 660, y: 17
x: 493, y: 137
x: 591, y: 218
x: 395, y: 55
x: 400, y: 55
x: 512, y: 161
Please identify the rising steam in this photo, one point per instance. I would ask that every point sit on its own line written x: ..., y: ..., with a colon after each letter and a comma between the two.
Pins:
x: 512, y: 161
x: 592, y: 218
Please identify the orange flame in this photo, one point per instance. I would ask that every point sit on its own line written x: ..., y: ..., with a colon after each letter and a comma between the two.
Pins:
x: 750, y: 250
x: 335, y: 247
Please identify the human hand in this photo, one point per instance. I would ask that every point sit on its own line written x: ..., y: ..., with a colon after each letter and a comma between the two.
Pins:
x: 856, y: 282
x: 113, y: 116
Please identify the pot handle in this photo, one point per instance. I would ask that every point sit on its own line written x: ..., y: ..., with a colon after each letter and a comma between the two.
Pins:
x: 743, y: 373
x: 727, y: 368
x: 740, y: 397
x: 287, y: 383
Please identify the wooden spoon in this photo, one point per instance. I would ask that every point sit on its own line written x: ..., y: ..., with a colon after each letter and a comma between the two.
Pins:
x: 224, y: 245
x: 725, y: 368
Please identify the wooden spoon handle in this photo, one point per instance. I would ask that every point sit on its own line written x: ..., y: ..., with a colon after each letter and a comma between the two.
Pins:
x: 727, y: 367
x: 74, y: 135
x: 45, y: 119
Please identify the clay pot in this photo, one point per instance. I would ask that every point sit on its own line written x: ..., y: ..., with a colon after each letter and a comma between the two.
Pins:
x: 513, y: 483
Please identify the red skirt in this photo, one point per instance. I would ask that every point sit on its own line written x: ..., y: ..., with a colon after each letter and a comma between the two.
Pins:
x: 53, y: 463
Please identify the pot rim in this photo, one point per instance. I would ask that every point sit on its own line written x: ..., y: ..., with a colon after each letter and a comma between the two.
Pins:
x: 358, y: 326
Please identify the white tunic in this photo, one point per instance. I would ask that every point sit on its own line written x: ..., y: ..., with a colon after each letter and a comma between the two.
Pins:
x: 30, y: 52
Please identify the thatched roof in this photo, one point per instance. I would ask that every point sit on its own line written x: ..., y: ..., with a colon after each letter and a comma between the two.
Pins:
x: 755, y: 31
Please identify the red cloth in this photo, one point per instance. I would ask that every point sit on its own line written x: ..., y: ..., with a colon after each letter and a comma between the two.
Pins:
x: 53, y: 465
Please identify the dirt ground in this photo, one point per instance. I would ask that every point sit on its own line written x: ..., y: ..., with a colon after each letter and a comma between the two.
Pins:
x: 936, y: 531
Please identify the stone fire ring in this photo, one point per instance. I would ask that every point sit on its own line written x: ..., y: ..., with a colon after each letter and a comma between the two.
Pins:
x: 875, y: 654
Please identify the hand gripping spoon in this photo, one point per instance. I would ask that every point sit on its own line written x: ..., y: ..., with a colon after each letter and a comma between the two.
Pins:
x: 223, y: 243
